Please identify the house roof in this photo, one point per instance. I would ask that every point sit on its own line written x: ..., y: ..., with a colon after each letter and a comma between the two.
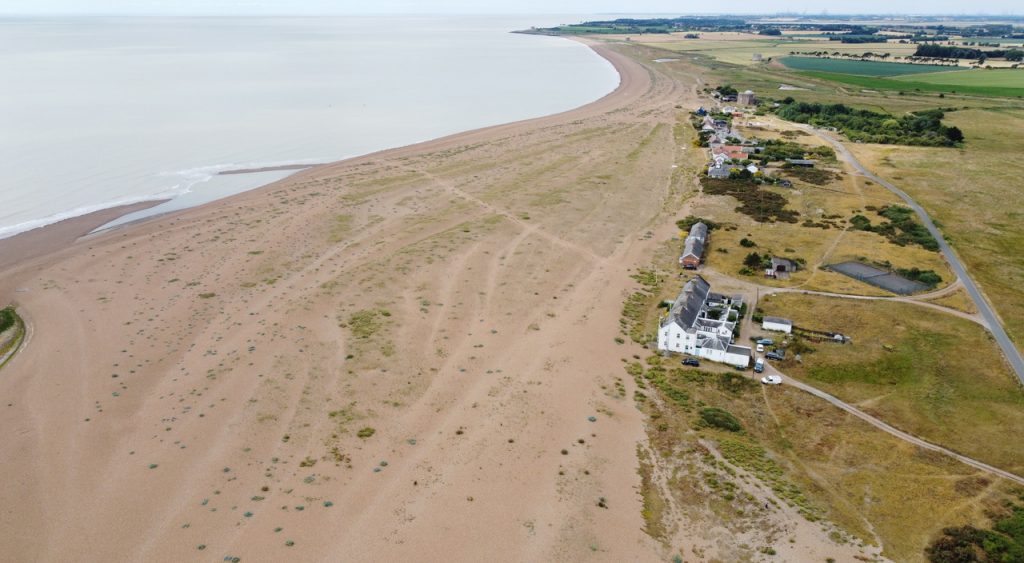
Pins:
x: 733, y: 349
x: 778, y: 321
x: 694, y: 247
x: 699, y: 230
x: 718, y: 172
x: 690, y: 301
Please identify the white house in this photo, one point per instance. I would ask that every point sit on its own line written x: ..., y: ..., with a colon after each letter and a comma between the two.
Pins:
x: 698, y: 324
x: 777, y: 324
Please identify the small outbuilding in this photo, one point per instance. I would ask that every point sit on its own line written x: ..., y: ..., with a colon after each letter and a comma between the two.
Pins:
x: 783, y: 266
x: 777, y: 324
x: 747, y: 98
x: 803, y: 163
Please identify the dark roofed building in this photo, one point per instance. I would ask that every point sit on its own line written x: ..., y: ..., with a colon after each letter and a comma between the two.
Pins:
x: 783, y: 265
x: 720, y: 172
x: 801, y: 162
x: 688, y: 305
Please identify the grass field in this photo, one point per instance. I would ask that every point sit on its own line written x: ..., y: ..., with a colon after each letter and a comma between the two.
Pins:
x: 812, y: 456
x: 907, y: 366
x: 976, y: 202
x: 860, y: 68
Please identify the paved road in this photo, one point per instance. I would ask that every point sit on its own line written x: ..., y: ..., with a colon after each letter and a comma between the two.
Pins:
x: 995, y: 327
x: 787, y: 380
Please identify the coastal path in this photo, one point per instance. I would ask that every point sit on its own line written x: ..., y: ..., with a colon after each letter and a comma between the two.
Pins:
x: 889, y: 429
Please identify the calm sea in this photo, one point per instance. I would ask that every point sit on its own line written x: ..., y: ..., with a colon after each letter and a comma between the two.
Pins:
x: 97, y: 112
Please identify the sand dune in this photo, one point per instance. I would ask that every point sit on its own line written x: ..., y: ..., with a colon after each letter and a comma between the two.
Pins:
x: 205, y: 384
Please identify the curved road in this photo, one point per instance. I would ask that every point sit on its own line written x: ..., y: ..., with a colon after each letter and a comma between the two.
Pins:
x: 1010, y: 351
x: 787, y: 380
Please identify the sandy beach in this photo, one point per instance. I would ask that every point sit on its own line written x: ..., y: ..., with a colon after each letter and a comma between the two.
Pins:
x: 406, y: 355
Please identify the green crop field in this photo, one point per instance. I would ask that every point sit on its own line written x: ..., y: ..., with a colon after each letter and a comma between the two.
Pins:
x: 996, y: 77
x: 978, y: 87
x: 859, y: 68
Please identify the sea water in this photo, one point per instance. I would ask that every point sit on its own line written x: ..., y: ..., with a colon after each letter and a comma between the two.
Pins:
x: 98, y: 112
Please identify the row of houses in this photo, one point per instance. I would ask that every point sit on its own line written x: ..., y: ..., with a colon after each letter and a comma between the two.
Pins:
x: 701, y: 323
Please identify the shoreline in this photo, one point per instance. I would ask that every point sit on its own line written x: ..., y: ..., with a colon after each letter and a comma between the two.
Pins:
x: 280, y: 168
x: 47, y: 240
x: 42, y: 241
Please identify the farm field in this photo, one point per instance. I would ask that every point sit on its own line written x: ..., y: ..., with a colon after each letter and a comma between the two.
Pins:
x: 739, y: 49
x: 900, y: 369
x: 1007, y: 78
x: 861, y: 68
x: 981, y: 88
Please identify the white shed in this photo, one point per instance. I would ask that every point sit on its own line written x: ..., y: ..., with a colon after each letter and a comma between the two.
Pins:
x: 777, y: 324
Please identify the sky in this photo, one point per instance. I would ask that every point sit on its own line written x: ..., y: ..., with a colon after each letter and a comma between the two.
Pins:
x: 343, y: 7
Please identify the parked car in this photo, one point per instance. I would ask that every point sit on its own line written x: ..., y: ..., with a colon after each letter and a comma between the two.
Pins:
x: 776, y: 355
x: 766, y: 341
x: 691, y: 362
x: 760, y: 348
x: 759, y: 365
x: 772, y: 380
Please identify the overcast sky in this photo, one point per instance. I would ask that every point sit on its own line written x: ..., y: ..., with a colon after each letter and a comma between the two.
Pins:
x: 261, y: 7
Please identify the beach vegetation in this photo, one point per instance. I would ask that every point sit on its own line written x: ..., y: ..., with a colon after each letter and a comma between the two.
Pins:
x: 366, y: 432
x: 8, y: 318
x: 757, y: 203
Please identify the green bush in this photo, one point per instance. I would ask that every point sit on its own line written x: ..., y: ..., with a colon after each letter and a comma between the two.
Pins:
x: 366, y: 432
x: 1005, y: 542
x: 7, y: 318
x: 719, y: 418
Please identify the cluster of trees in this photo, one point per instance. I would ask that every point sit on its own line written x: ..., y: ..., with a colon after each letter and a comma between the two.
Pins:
x: 901, y: 227
x: 955, y: 52
x: 923, y: 128
x: 857, y: 38
x: 927, y: 277
x: 775, y: 150
x: 726, y: 90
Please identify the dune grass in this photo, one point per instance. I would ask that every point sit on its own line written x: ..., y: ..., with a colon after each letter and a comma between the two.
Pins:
x: 934, y: 375
x: 828, y: 465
